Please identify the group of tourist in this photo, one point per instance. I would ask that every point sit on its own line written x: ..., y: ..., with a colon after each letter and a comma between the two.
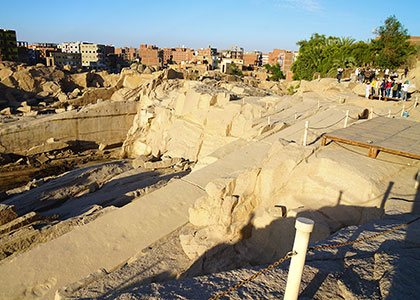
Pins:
x: 365, y: 75
x: 390, y: 86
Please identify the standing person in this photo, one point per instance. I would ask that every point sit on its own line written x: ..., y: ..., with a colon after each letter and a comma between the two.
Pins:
x: 368, y: 89
x: 404, y: 90
x: 388, y: 87
x: 339, y: 73
x: 373, y: 84
x: 378, y: 87
x: 394, y: 89
x: 357, y: 73
x: 362, y: 78
x: 386, y: 72
x: 399, y: 89
x: 405, y: 72
x: 383, y: 86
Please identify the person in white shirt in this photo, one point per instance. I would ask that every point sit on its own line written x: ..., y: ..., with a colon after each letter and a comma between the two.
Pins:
x: 357, y: 73
x: 387, y: 71
x: 339, y: 73
x: 378, y: 86
x: 404, y: 90
x: 368, y: 90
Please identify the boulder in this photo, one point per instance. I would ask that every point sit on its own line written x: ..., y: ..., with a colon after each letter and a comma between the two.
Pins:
x: 76, y: 92
x: 62, y: 97
x: 51, y: 87
x: 25, y: 80
x: 172, y: 74
x: 7, y: 213
x: 6, y: 111
x: 140, y: 161
x: 24, y: 109
x: 5, y: 73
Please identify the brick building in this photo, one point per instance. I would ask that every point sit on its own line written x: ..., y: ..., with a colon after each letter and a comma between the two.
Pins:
x: 252, y: 60
x: 150, y: 55
x: 414, y: 40
x: 180, y: 55
x: 128, y: 53
x: 61, y: 59
x: 8, y: 45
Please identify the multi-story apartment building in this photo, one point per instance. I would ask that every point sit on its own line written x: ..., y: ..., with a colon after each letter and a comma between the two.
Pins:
x: 23, y: 52
x: 38, y: 52
x: 70, y: 47
x: 252, y: 59
x: 150, y: 55
x: 167, y: 55
x: 182, y: 54
x: 61, y: 59
x: 127, y: 53
x: 8, y: 45
x: 234, y: 52
x: 93, y: 55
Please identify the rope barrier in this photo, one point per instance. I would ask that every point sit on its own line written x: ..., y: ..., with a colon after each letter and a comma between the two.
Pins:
x: 325, y: 127
x: 289, y: 255
x: 317, y: 248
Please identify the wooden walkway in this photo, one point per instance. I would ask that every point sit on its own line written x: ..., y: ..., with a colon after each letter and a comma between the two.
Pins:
x: 397, y: 136
x: 375, y: 97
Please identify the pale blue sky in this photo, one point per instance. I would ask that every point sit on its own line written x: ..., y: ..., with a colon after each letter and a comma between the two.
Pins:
x: 251, y: 24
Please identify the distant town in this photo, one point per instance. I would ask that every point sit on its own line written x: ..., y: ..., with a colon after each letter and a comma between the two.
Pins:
x: 91, y: 56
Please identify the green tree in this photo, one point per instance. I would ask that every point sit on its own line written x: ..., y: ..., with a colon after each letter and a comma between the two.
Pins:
x: 392, y: 49
x: 275, y: 71
x: 234, y: 70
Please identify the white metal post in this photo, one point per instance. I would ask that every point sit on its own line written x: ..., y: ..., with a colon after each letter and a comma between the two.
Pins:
x: 304, y: 228
x: 319, y: 104
x: 389, y: 113
x: 305, y: 134
x: 296, y: 116
x: 371, y: 112
x: 403, y: 110
x: 346, y: 119
x: 269, y: 121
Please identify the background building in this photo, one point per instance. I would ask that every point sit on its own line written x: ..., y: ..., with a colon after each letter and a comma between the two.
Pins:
x: 252, y: 60
x: 61, y: 59
x: 8, y: 45
x: 38, y: 52
x: 70, y: 47
x: 150, y: 55
x: 93, y: 55
x: 128, y: 53
x: 23, y: 52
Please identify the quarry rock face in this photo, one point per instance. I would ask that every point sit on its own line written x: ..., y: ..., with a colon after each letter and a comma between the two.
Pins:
x: 213, y: 167
x: 190, y: 122
x: 106, y: 122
